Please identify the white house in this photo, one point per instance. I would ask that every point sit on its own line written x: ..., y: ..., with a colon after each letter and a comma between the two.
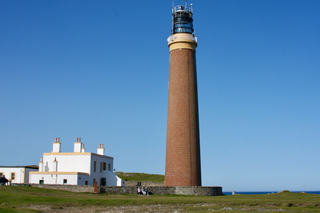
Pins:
x: 17, y: 174
x: 76, y: 168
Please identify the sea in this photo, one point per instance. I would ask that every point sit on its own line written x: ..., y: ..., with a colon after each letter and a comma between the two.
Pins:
x: 269, y: 192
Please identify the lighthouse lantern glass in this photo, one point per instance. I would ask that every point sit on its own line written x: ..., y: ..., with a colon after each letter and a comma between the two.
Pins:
x: 182, y: 19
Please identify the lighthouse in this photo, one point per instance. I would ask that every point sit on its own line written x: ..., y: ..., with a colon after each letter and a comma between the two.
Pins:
x: 183, y: 166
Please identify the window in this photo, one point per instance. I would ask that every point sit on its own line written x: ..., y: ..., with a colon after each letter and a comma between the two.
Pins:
x: 13, y: 176
x: 100, y: 167
x: 94, y: 166
x: 109, y: 167
x: 65, y: 181
x: 1, y: 174
x: 104, y: 166
x: 40, y: 181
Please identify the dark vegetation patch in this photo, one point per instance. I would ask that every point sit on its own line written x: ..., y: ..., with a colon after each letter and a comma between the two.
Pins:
x: 140, y: 176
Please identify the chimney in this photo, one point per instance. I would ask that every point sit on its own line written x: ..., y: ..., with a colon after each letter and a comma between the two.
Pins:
x: 41, y: 165
x: 83, y: 150
x: 55, y: 165
x: 56, y: 145
x: 100, y: 150
x: 77, y: 145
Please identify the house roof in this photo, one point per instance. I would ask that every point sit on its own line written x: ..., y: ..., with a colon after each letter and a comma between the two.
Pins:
x: 29, y: 167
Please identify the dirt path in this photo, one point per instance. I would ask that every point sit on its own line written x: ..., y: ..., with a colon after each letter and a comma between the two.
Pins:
x: 148, y: 208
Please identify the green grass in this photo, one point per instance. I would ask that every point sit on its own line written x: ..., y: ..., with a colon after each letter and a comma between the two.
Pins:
x: 19, y: 198
x: 140, y: 176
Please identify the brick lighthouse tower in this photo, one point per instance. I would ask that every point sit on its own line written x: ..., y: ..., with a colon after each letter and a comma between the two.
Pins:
x: 183, y: 145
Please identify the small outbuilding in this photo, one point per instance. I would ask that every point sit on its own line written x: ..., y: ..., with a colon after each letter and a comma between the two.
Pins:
x: 17, y: 174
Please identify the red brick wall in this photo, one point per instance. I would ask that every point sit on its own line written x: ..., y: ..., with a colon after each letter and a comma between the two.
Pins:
x: 183, y: 148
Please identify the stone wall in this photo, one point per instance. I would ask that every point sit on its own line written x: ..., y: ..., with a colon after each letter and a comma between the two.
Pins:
x: 198, y: 190
x: 165, y: 190
x: 156, y: 190
x: 144, y: 183
x: 71, y: 188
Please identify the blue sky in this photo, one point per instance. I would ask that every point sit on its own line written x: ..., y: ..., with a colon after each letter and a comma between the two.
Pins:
x: 99, y: 70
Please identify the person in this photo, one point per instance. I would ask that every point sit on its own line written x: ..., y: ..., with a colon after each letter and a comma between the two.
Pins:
x: 146, y: 191
x: 139, y: 191
x: 234, y: 192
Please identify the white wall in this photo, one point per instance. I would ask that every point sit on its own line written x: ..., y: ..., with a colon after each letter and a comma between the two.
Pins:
x: 113, y: 179
x: 100, y: 173
x: 120, y: 182
x: 67, y: 162
x: 21, y: 174
x: 27, y: 171
x: 82, y: 179
x: 56, y: 178
x: 70, y: 162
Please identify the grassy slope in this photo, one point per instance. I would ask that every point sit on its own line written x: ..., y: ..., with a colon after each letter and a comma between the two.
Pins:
x: 140, y: 176
x: 16, y: 198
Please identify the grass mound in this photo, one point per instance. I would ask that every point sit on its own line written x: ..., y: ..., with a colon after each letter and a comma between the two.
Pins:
x: 128, y: 176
